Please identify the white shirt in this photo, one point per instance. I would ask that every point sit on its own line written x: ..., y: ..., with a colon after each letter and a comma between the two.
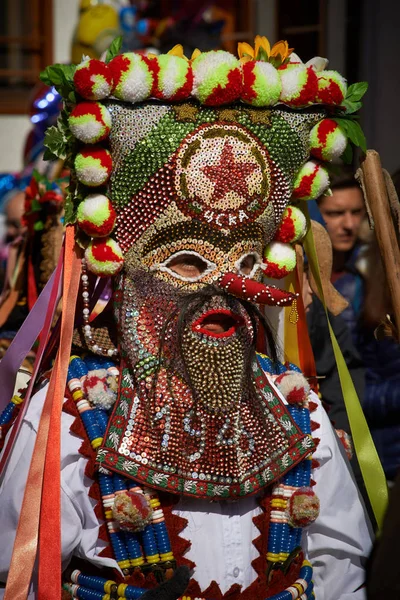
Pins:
x: 221, y: 533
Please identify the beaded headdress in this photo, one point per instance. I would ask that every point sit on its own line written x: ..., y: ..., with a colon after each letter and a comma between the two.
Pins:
x: 215, y: 139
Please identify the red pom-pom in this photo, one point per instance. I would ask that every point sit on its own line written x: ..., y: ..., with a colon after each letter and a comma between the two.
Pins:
x: 132, y: 511
x: 303, y: 507
x: 229, y: 93
x: 93, y: 80
x: 293, y: 386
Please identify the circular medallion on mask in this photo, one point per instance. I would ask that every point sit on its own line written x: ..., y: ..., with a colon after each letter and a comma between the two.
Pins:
x: 223, y: 176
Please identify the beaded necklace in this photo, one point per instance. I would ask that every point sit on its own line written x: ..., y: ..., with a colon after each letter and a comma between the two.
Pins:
x: 150, y: 548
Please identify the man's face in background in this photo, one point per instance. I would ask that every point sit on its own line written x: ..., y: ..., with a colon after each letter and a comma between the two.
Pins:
x: 343, y: 213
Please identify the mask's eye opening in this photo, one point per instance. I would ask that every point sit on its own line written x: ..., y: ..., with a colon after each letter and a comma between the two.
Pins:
x: 248, y: 264
x: 187, y: 266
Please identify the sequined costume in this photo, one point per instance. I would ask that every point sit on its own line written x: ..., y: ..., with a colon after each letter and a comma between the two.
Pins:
x: 188, y: 446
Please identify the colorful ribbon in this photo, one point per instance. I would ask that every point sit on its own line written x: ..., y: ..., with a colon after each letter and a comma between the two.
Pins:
x: 46, y: 469
x: 370, y: 465
x: 21, y: 346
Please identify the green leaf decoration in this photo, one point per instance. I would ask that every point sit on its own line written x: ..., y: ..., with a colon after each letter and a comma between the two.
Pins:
x: 353, y: 131
x: 38, y: 177
x: 38, y: 226
x: 114, y: 49
x: 55, y: 141
x: 262, y: 55
x: 82, y: 239
x: 69, y: 211
x: 351, y: 107
x: 347, y: 156
x: 61, y: 77
x: 356, y: 91
x: 49, y: 156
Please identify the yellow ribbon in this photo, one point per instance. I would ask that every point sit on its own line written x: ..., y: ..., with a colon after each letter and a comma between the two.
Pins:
x: 370, y: 465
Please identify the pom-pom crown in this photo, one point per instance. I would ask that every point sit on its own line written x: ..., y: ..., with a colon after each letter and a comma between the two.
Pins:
x: 134, y: 75
x: 262, y: 84
x: 311, y: 181
x: 328, y: 140
x: 279, y: 260
x: 293, y: 226
x: 93, y: 80
x: 332, y: 88
x: 299, y: 85
x: 96, y: 215
x: 175, y: 78
x: 104, y: 257
x: 90, y: 122
x: 217, y: 78
x: 93, y: 166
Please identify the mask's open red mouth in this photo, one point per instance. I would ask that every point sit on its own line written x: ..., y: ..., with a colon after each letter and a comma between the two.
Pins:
x: 218, y: 323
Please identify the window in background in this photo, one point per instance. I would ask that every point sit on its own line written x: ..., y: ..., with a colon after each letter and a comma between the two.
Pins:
x: 303, y: 24
x: 25, y: 49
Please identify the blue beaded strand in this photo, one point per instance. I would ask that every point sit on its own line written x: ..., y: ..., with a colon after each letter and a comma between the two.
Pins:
x: 132, y: 593
x: 7, y: 414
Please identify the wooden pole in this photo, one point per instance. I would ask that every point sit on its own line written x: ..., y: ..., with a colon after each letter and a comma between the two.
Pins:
x: 378, y: 201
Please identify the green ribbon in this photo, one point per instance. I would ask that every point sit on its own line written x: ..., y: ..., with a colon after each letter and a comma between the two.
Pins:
x: 368, y: 459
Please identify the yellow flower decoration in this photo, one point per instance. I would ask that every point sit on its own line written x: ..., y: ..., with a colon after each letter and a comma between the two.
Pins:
x: 177, y: 50
x: 277, y: 55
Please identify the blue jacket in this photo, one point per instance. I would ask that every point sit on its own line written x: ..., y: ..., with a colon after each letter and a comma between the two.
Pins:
x: 382, y: 397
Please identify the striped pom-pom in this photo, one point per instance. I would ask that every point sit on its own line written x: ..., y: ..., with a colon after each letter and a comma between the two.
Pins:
x: 104, y: 257
x: 293, y: 386
x: 175, y: 78
x: 93, y: 79
x: 93, y: 166
x: 303, y: 507
x: 328, y: 140
x: 279, y: 260
x: 217, y: 78
x: 299, y: 84
x: 293, y: 226
x: 90, y: 122
x: 96, y: 215
x: 262, y: 84
x: 311, y: 182
x: 332, y: 87
x: 134, y: 76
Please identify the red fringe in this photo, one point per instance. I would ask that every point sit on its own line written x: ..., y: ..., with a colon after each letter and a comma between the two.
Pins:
x: 312, y: 406
x: 315, y: 425
x: 175, y: 525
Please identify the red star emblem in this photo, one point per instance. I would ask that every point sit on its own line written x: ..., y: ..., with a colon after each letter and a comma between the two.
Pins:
x: 229, y: 175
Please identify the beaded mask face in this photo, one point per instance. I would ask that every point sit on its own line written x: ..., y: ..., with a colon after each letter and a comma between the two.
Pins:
x: 199, y: 194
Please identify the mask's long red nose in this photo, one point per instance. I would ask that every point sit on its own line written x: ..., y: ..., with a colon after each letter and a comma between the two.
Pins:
x: 251, y: 290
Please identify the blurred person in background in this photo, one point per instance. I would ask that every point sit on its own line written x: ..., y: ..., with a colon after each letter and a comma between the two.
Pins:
x: 14, y: 211
x: 343, y: 214
x: 380, y: 353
